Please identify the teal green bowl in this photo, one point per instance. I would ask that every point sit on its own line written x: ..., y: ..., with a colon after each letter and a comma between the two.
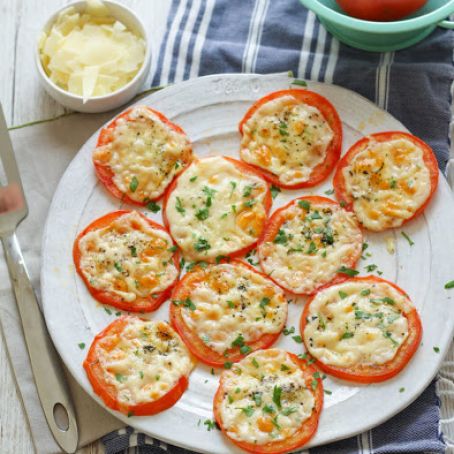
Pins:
x: 382, y: 36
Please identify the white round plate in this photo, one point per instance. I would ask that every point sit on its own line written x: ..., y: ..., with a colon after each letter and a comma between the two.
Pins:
x: 209, y: 110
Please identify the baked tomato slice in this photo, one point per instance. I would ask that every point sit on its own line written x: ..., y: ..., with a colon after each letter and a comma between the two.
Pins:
x: 225, y: 311
x: 217, y: 207
x: 139, y: 153
x: 372, y: 326
x: 248, y: 409
x: 127, y: 261
x: 138, y: 367
x: 308, y: 243
x: 387, y: 179
x: 294, y: 137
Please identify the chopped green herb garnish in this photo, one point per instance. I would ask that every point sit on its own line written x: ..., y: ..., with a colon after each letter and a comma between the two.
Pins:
x: 202, y: 245
x: 268, y: 409
x: 179, y: 206
x: 233, y: 184
x: 401, y: 390
x: 202, y: 214
x: 365, y: 292
x: 277, y: 392
x: 386, y: 300
x: 329, y: 192
x: 153, y: 206
x: 120, y: 378
x: 172, y: 249
x: 130, y: 413
x: 288, y: 411
x: 245, y: 349
x: 371, y: 268
x: 133, y: 184
x: 304, y: 204
x: 255, y: 363
x: 449, y: 285
x: 118, y: 267
x: 247, y: 191
x: 192, y: 179
x: 347, y: 335
x: 81, y: 345
x: 228, y: 365
x: 300, y: 82
x: 133, y: 250
x: 248, y: 411
x: 274, y: 191
x: 141, y: 374
x: 288, y: 331
x: 211, y: 425
x: 437, y: 349
x: 281, y: 238
x: 284, y: 368
x: 312, y: 249
x: 185, y: 303
x: 314, y: 384
x: 231, y: 304
x: 297, y: 339
x: 348, y: 271
x: 410, y: 241
x: 328, y: 392
x: 257, y: 397
x: 342, y: 294
x: 108, y: 310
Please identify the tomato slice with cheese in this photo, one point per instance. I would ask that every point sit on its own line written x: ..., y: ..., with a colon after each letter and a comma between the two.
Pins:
x: 365, y: 329
x: 139, y: 153
x: 217, y: 207
x: 138, y: 367
x: 269, y: 402
x: 127, y: 260
x: 308, y: 243
x: 387, y: 179
x: 294, y: 137
x: 225, y: 311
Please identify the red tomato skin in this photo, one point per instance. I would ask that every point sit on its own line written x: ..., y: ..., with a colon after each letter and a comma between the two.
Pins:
x: 428, y: 155
x: 328, y: 111
x: 104, y: 172
x: 270, y: 232
x: 380, y: 10
x: 300, y: 438
x: 375, y: 374
x: 142, y: 304
x: 107, y: 392
x: 267, y: 202
x: 194, y: 344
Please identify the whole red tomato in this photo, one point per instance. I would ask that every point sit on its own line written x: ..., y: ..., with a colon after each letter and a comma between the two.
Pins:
x: 380, y: 10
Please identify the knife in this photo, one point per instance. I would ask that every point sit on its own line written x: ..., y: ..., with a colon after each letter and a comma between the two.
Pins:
x: 49, y: 378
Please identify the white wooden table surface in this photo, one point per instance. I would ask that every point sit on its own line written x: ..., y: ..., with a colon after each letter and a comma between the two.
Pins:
x: 23, y: 101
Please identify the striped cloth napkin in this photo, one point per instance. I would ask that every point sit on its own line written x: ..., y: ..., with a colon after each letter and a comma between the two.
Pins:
x: 264, y: 36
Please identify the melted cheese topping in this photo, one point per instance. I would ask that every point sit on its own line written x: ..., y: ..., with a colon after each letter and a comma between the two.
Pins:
x: 313, y: 242
x: 286, y: 137
x: 216, y: 208
x: 248, y: 411
x: 144, y: 361
x: 357, y: 323
x: 234, y: 306
x: 144, y: 155
x: 128, y: 258
x: 388, y: 182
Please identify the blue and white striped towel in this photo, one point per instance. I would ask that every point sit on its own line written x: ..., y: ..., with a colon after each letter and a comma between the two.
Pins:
x: 264, y: 36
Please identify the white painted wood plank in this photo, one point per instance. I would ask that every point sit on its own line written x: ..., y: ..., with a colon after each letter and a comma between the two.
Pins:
x: 9, y: 11
x: 24, y: 100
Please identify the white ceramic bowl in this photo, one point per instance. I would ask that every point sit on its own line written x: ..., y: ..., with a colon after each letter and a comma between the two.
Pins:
x: 116, y: 98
